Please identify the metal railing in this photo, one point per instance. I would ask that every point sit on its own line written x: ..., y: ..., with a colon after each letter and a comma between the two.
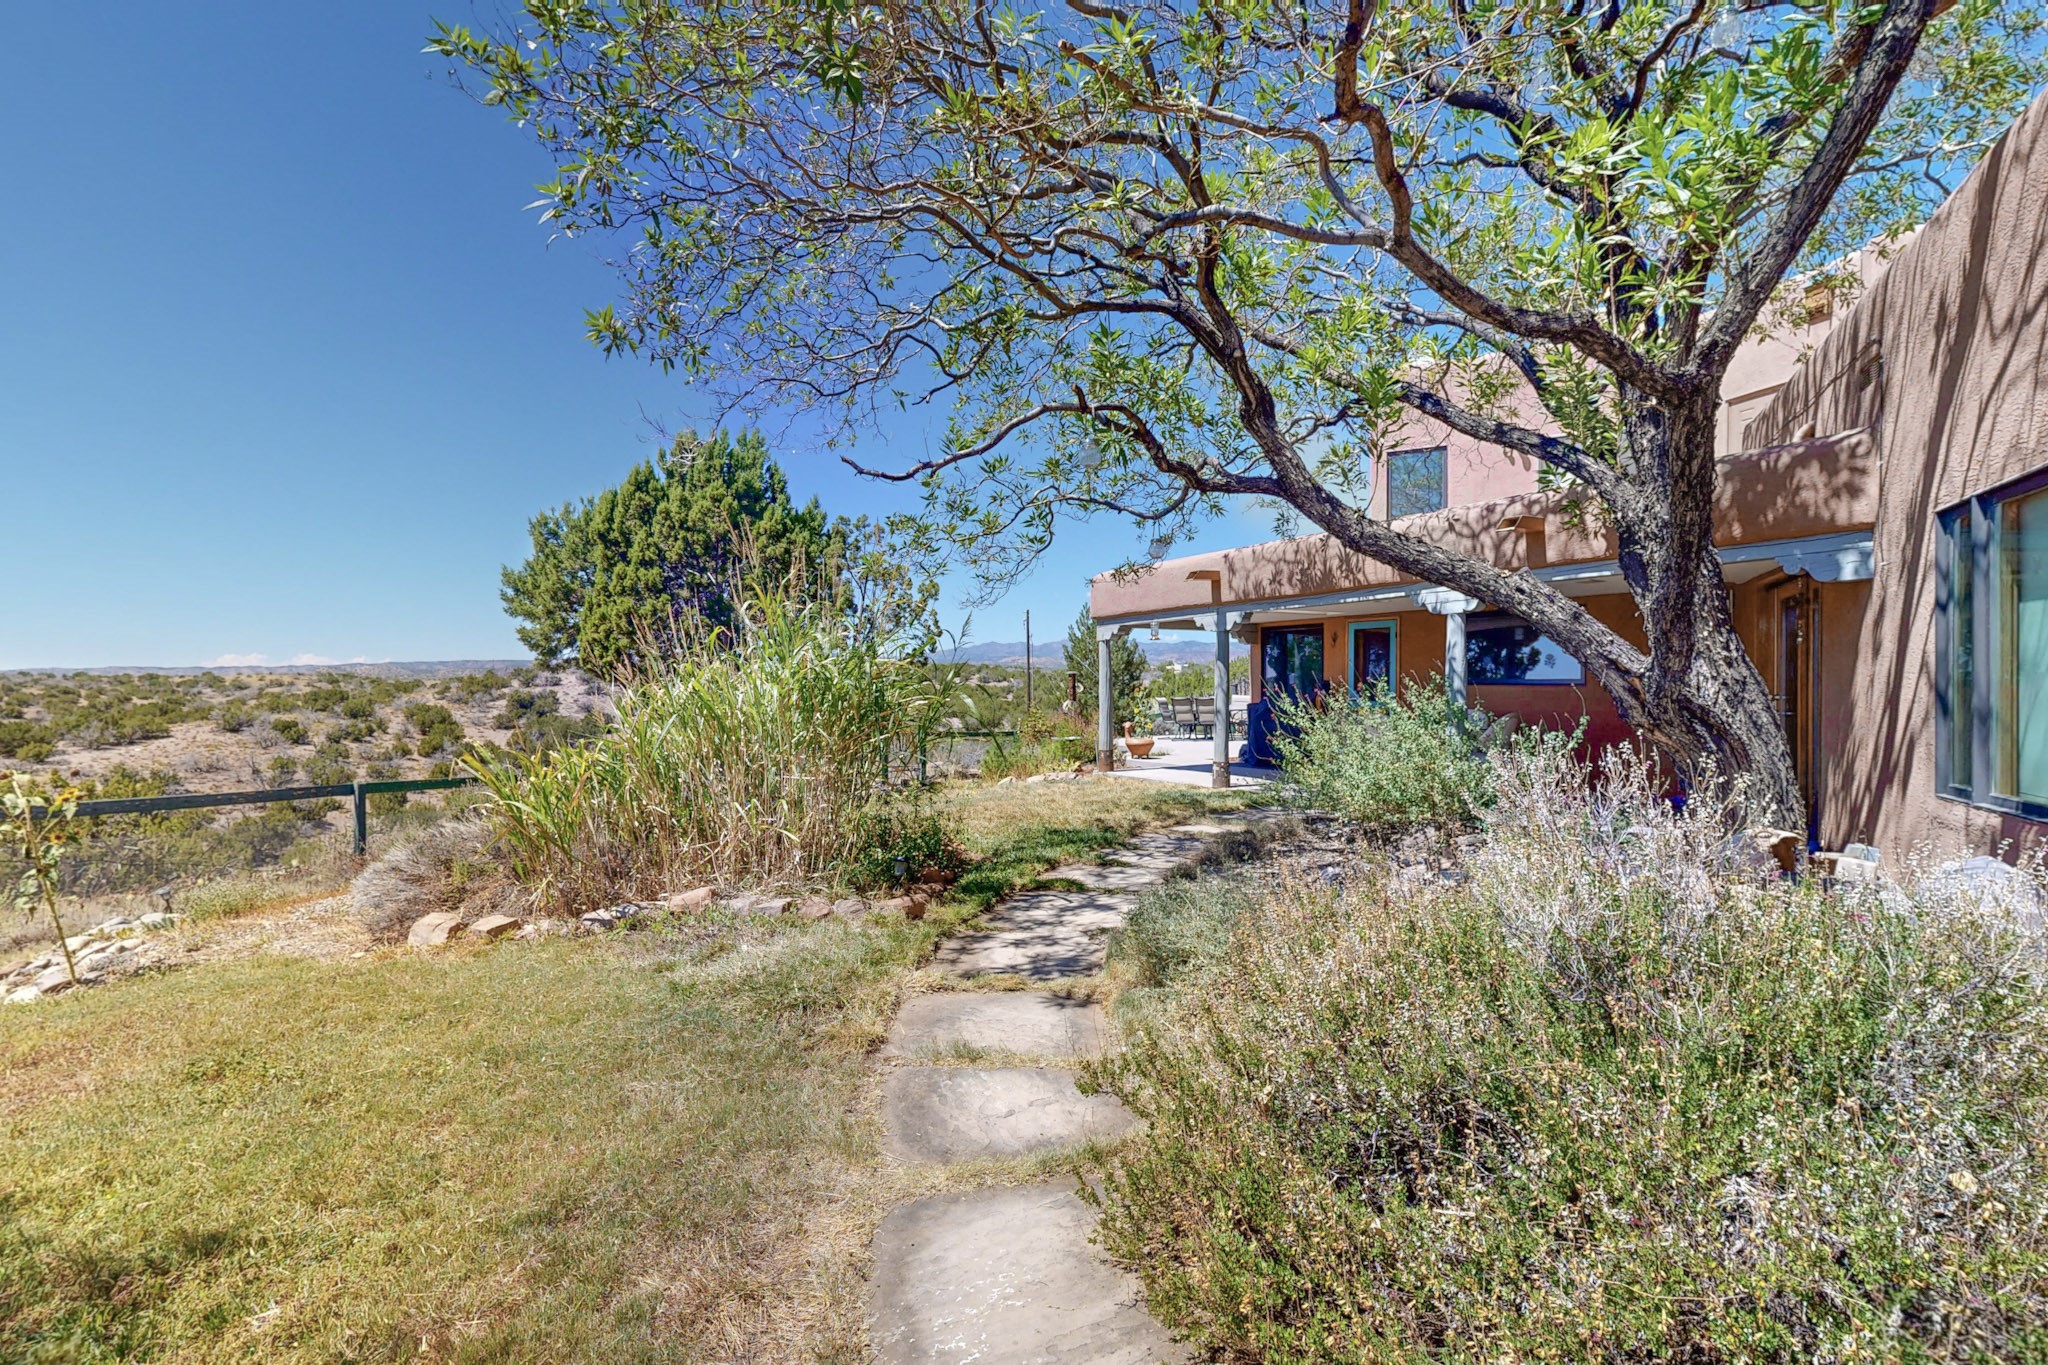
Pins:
x: 358, y: 792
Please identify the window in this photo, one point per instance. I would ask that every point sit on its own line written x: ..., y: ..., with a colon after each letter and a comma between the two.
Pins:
x: 1991, y: 643
x: 1291, y: 662
x: 1500, y: 648
x: 1416, y: 482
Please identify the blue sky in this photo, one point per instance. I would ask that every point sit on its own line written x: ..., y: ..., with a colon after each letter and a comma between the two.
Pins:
x: 285, y: 368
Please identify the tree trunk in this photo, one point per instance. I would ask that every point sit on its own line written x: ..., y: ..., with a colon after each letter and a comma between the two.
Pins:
x: 1699, y: 695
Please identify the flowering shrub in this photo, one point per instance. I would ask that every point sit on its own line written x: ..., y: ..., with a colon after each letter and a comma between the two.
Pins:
x: 1617, y: 1096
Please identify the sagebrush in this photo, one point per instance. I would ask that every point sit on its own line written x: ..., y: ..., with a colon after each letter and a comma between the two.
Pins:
x: 1619, y: 1095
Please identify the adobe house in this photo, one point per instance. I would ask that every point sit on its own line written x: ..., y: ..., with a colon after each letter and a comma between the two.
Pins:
x: 1882, y: 520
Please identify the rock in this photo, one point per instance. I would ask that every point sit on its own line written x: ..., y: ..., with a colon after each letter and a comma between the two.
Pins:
x: 493, y: 927
x: 115, y: 926
x: 77, y: 941
x: 945, y: 1114
x: 1005, y: 781
x: 754, y: 903
x: 431, y: 931
x: 541, y: 928
x: 696, y: 898
x: 1987, y: 885
x: 623, y: 913
x: 911, y: 906
x: 814, y: 907
x: 1004, y: 1276
x: 23, y: 995
x: 849, y: 907
x: 52, y: 980
x: 1033, y: 1022
x: 158, y: 919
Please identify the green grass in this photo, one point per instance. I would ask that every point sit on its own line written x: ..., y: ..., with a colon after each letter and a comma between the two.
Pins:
x: 638, y: 1148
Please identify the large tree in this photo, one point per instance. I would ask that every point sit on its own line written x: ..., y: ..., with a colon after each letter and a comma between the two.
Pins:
x: 613, y: 577
x: 1165, y: 253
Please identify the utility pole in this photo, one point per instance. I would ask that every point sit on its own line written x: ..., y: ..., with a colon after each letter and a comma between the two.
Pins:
x: 1027, y: 663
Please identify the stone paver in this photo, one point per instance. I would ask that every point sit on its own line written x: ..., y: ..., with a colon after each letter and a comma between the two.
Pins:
x: 959, y: 1113
x: 1004, y: 1277
x: 1039, y: 935
x: 1001, y: 1021
x: 1105, y: 876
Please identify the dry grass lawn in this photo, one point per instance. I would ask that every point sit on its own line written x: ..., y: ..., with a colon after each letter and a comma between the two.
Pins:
x: 651, y: 1147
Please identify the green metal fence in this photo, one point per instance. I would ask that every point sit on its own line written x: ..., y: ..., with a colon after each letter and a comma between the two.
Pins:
x: 357, y: 792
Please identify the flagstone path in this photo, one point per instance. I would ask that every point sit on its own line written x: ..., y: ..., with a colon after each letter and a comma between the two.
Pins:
x: 1007, y: 1275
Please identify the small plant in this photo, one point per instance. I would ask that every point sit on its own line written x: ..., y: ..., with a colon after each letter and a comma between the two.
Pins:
x: 907, y: 842
x: 38, y: 828
x: 290, y: 729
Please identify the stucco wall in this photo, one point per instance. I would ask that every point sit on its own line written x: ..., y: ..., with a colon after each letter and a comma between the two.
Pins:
x: 1948, y: 354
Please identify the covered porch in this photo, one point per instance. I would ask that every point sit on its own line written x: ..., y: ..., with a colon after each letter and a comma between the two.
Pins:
x: 1796, y: 552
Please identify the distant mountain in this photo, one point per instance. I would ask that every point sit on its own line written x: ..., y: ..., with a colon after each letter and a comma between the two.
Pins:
x: 1047, y: 654
x: 435, y: 668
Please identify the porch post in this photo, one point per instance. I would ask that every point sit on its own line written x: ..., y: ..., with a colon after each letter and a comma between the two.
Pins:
x: 1105, y: 703
x: 1219, y: 761
x: 1452, y: 606
x: 1454, y: 656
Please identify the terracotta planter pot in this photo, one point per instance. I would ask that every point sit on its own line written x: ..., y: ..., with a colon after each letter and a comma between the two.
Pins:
x: 1139, y: 745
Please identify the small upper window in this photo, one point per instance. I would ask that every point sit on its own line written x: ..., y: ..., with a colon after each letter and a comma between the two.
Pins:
x: 1416, y: 482
x: 1991, y: 636
x: 1500, y: 648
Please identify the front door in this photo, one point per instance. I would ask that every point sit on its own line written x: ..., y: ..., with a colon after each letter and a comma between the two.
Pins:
x: 1372, y: 657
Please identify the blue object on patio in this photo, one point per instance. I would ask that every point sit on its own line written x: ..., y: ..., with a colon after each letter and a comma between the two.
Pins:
x: 1260, y: 724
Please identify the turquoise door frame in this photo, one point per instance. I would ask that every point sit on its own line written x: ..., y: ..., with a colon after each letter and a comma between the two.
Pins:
x: 1393, y: 630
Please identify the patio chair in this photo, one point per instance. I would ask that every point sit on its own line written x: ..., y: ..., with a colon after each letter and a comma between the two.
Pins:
x: 1183, y: 716
x: 1205, y: 716
x: 1162, y: 715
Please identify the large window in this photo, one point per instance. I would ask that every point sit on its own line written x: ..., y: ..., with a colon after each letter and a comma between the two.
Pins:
x: 1991, y: 638
x: 1416, y: 482
x: 1500, y: 648
x: 1291, y: 661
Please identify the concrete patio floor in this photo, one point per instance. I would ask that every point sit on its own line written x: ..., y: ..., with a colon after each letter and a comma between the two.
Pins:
x: 1185, y: 762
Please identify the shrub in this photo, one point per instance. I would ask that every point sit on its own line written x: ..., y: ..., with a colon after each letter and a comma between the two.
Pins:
x: 431, y: 869
x: 1616, y: 1097
x: 358, y: 708
x: 290, y: 729
x: 436, y: 726
x: 232, y: 717
x: 1180, y: 930
x: 912, y: 834
x: 26, y: 740
x: 1386, y: 762
x: 750, y: 761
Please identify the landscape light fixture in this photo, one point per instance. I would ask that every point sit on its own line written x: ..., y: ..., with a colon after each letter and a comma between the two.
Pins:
x: 1156, y: 551
x: 1155, y: 632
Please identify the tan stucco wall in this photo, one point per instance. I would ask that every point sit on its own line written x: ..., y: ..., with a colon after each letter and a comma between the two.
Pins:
x: 1958, y: 326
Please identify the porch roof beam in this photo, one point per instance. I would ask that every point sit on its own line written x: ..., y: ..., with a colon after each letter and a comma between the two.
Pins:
x: 1846, y: 557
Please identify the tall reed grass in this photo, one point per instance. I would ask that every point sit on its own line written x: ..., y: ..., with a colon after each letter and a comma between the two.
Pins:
x: 756, y: 756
